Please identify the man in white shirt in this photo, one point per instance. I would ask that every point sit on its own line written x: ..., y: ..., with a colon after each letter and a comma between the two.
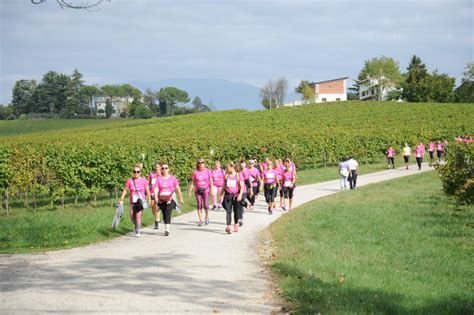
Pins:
x: 353, y: 172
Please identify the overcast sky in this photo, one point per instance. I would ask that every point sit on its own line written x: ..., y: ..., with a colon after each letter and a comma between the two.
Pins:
x: 245, y: 41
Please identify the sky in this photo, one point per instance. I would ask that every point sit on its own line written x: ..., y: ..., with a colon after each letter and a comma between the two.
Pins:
x: 243, y: 41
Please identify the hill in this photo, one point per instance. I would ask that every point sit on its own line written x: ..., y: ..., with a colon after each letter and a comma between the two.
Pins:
x: 222, y: 94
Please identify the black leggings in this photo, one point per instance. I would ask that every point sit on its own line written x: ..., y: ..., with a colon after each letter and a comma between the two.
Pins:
x: 231, y: 204
x: 167, y: 208
x: 419, y: 160
x: 431, y: 154
x: 439, y: 153
x: 241, y: 206
x: 353, y: 179
x: 251, y: 199
x: 391, y: 160
x: 288, y: 192
x: 270, y: 193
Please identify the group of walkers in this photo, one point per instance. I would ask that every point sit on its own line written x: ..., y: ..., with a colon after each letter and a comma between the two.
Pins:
x: 348, y: 171
x: 234, y: 188
x: 438, y: 148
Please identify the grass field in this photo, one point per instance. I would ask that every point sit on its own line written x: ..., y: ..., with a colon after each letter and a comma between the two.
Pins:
x: 399, y: 247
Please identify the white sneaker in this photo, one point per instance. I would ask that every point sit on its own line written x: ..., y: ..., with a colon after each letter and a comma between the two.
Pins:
x: 137, y: 234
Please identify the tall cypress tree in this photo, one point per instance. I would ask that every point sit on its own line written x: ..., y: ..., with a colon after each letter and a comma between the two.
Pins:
x: 415, y: 85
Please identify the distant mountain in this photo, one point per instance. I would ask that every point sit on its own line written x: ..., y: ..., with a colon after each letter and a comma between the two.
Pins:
x: 222, y: 94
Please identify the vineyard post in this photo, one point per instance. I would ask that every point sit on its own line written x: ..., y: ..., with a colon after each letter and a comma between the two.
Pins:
x: 7, y: 205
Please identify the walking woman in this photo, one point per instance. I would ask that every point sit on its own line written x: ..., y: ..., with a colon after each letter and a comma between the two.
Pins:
x: 391, y: 157
x: 152, y: 178
x: 279, y: 172
x: 255, y: 179
x: 243, y: 177
x: 233, y: 189
x: 439, y: 150
x: 138, y: 188
x: 218, y: 175
x: 431, y: 149
x: 164, y: 192
x: 270, y: 184
x: 406, y: 151
x: 419, y: 154
x: 288, y: 186
x: 202, y: 185
x: 343, y: 170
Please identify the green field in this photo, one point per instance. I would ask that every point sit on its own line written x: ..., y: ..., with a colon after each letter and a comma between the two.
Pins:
x: 399, y: 247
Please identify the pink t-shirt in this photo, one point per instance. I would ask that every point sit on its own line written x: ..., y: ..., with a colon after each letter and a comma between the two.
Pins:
x: 431, y: 147
x: 166, y: 186
x: 419, y: 152
x: 278, y: 173
x: 218, y: 177
x: 137, y: 188
x: 421, y: 147
x: 244, y: 175
x: 232, y: 186
x: 439, y: 147
x: 269, y: 177
x: 152, y: 177
x: 254, y: 174
x: 288, y: 178
x: 391, y: 152
x: 202, y: 179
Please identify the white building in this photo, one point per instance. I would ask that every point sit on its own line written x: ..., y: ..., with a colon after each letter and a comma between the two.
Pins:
x: 369, y: 90
x: 327, y: 91
x: 119, y: 104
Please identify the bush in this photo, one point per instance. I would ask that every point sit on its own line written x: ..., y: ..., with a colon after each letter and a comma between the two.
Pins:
x: 457, y: 174
x: 142, y: 111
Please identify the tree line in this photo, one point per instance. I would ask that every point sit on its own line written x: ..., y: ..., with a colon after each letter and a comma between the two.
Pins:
x: 66, y: 96
x: 417, y: 84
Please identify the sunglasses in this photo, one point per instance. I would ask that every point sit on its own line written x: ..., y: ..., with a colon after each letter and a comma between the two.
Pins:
x: 164, y: 168
x: 200, y: 162
x: 136, y: 172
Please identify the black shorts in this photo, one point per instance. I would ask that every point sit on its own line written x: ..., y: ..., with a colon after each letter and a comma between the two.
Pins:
x: 439, y: 153
x: 431, y: 154
x: 288, y: 192
x: 406, y: 158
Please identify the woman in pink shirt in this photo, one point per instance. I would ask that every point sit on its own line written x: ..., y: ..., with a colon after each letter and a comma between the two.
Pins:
x: 255, y: 179
x: 270, y: 184
x: 288, y: 184
x: 419, y: 151
x: 164, y: 192
x: 431, y: 149
x: 152, y: 177
x: 279, y: 172
x: 231, y: 196
x: 439, y: 150
x: 202, y: 184
x: 391, y: 157
x: 218, y: 175
x: 138, y: 188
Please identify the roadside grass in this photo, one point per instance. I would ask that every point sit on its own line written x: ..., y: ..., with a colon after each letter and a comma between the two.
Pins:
x: 398, y: 247
x: 53, y: 228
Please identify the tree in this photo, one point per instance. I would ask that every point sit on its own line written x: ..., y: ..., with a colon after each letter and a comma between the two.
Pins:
x: 149, y: 99
x: 303, y: 83
x: 51, y: 94
x: 385, y: 71
x: 415, y: 84
x: 308, y: 94
x: 108, y: 108
x: 440, y: 87
x: 6, y: 112
x: 281, y: 88
x: 75, y: 101
x: 198, y: 106
x: 22, y: 96
x: 465, y: 92
x: 142, y: 111
x: 67, y: 4
x: 267, y: 93
x: 87, y: 93
x: 169, y: 97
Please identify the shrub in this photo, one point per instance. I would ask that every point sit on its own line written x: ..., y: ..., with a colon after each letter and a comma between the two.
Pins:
x: 457, y: 173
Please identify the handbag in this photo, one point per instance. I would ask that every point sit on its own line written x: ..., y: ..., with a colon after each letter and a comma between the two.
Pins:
x: 137, y: 205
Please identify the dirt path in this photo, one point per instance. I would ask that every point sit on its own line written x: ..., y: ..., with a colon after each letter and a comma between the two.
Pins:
x: 194, y: 270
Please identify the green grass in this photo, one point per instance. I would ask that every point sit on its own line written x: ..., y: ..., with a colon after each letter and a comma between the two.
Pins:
x: 52, y: 228
x: 398, y: 247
